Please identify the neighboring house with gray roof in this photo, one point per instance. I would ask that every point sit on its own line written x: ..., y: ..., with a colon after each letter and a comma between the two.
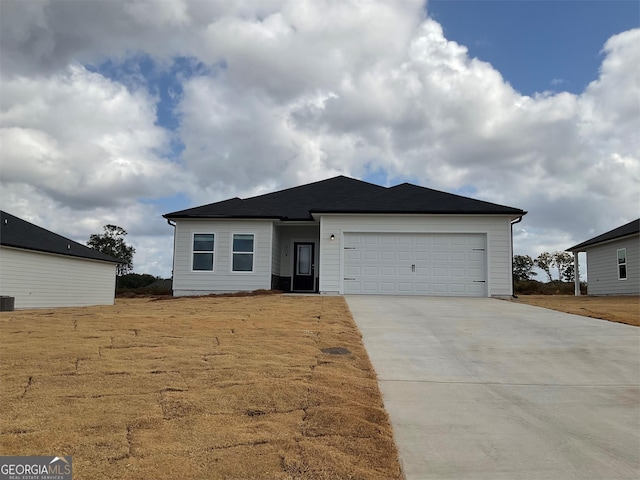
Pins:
x: 613, y: 261
x: 43, y: 269
x: 346, y: 236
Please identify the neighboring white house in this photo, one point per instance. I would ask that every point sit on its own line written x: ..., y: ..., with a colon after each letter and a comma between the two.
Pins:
x: 613, y: 261
x: 42, y: 269
x: 346, y: 236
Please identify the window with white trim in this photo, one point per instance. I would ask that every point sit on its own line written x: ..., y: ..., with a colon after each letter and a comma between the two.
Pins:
x: 242, y: 252
x: 622, y: 264
x: 203, y: 250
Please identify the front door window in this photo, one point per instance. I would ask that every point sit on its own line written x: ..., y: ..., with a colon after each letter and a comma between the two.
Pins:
x: 304, y: 268
x: 304, y: 259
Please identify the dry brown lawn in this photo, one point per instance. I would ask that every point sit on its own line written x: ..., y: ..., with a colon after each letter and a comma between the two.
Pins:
x: 207, y: 388
x: 615, y: 309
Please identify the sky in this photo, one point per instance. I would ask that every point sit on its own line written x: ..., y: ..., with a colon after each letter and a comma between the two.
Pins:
x: 117, y: 112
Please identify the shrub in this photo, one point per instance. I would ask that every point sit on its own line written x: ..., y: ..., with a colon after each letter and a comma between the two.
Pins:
x: 556, y: 287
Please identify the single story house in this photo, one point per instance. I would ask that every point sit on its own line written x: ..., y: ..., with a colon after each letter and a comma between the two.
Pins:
x: 42, y: 269
x: 613, y: 261
x: 346, y: 236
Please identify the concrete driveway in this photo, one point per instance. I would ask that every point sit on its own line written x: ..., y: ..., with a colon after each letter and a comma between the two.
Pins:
x: 490, y: 389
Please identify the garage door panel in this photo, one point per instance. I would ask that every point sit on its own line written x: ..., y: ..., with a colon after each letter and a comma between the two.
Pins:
x: 370, y: 255
x: 458, y: 272
x: 423, y: 240
x: 387, y: 287
x: 439, y: 256
x: 457, y: 257
x: 477, y: 257
x: 423, y: 271
x: 370, y: 271
x: 386, y: 271
x: 370, y: 287
x: 476, y: 289
x: 476, y: 241
x: 351, y: 255
x: 423, y: 256
x: 439, y: 272
x: 353, y: 270
x: 440, y: 288
x: 405, y: 256
x: 423, y: 264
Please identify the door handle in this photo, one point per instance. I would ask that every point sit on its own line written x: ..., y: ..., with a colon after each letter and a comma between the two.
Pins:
x: 413, y: 268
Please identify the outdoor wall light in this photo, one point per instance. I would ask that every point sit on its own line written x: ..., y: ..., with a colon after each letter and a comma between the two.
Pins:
x: 332, y: 237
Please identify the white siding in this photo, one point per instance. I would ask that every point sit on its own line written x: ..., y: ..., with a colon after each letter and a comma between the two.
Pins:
x: 602, y: 268
x: 496, y: 228
x: 46, y: 280
x: 291, y: 234
x: 276, y: 251
x: 222, y: 279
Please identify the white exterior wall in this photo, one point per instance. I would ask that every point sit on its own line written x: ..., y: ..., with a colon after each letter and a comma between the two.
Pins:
x: 276, y: 251
x: 39, y: 280
x: 222, y: 279
x: 496, y: 228
x: 602, y: 268
x: 288, y: 236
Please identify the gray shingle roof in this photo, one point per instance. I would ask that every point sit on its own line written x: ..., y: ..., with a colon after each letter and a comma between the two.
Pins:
x: 623, y: 231
x: 345, y: 195
x: 18, y: 233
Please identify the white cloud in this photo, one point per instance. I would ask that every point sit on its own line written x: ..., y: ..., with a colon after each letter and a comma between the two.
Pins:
x: 299, y: 91
x: 83, y: 139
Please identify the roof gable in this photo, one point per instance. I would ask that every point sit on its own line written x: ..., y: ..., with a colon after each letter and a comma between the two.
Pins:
x: 18, y: 233
x: 630, y: 228
x: 345, y: 195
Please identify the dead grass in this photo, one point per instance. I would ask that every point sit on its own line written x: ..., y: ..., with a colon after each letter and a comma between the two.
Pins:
x: 615, y: 309
x: 227, y: 388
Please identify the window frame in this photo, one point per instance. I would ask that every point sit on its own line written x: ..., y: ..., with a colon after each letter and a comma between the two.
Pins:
x: 212, y: 252
x: 620, y: 264
x: 252, y: 253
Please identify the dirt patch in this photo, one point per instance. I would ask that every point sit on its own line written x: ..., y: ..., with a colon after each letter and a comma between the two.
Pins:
x: 615, y: 309
x: 229, y: 388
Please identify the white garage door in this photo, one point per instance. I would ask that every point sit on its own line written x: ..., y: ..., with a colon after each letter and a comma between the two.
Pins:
x: 415, y: 264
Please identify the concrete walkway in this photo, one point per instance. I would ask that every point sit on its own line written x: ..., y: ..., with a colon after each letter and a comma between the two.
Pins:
x: 491, y: 389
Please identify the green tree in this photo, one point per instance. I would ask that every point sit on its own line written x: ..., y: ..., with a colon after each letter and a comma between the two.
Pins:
x: 136, y: 280
x: 563, y: 262
x: 112, y: 243
x: 543, y: 262
x: 569, y: 274
x: 523, y: 267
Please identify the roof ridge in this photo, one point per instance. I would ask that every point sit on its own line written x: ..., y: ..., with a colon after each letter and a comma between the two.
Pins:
x: 307, y: 185
x: 361, y: 196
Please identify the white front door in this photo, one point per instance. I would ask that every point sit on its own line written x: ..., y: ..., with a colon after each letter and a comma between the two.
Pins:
x: 415, y: 264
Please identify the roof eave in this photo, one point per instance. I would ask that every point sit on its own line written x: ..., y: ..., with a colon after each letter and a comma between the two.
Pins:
x: 168, y: 216
x: 64, y: 254
x: 588, y: 244
x: 520, y: 213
